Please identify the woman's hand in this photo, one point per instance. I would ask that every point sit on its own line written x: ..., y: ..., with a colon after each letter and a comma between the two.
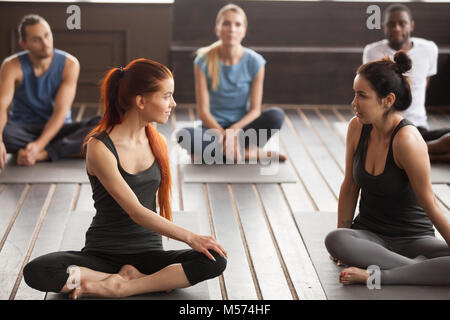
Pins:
x: 2, y: 155
x: 338, y: 263
x: 231, y: 146
x: 204, y: 243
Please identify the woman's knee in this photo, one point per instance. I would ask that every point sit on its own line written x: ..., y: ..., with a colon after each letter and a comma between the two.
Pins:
x: 275, y: 116
x: 36, y: 275
x: 43, y: 274
x: 336, y: 240
x: 216, y: 268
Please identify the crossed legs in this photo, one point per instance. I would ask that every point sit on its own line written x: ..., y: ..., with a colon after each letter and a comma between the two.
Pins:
x: 422, y: 261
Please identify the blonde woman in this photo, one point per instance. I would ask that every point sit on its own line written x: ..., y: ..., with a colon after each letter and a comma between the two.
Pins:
x: 229, y: 88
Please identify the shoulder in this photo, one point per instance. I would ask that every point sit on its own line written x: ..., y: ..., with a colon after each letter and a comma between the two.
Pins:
x: 408, y: 141
x: 71, y: 67
x: 424, y: 42
x: 252, y: 55
x: 97, y: 153
x: 11, y: 65
x: 71, y: 61
x: 354, y: 132
x: 410, y: 150
x: 378, y: 46
x: 426, y: 45
x: 200, y: 55
x: 354, y: 125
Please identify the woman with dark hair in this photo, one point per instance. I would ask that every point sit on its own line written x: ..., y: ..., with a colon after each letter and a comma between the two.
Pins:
x: 127, y: 164
x: 229, y: 82
x: 387, y: 159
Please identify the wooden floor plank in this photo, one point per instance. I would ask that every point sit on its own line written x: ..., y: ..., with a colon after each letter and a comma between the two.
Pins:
x: 194, y: 200
x: 85, y: 201
x: 10, y: 203
x: 51, y: 233
x: 329, y: 169
x: 269, y: 272
x: 331, y: 117
x: 347, y: 114
x: 442, y: 192
x: 16, y: 246
x: 293, y: 250
x: 309, y: 175
x: 297, y: 197
x: 327, y: 137
x: 237, y: 276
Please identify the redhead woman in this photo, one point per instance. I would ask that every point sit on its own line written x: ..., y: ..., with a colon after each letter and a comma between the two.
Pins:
x: 387, y: 160
x: 229, y: 89
x: 127, y: 164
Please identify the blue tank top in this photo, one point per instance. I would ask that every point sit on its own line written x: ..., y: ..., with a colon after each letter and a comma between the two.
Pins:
x: 33, y: 100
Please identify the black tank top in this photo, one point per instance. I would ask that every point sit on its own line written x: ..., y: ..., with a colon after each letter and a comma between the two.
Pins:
x: 112, y: 230
x: 388, y: 205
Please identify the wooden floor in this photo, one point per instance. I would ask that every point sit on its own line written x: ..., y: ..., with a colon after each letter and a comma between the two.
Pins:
x: 254, y: 222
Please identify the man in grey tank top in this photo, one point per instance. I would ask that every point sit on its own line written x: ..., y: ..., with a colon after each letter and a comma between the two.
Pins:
x: 40, y: 84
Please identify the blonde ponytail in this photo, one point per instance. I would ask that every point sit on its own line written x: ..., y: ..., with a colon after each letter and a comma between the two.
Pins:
x: 211, y: 54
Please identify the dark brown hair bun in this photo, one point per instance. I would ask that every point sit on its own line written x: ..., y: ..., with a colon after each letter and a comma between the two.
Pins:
x: 403, y: 61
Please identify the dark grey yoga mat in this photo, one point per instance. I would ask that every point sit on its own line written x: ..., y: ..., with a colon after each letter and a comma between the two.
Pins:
x: 440, y: 172
x: 61, y: 171
x: 187, y: 219
x: 314, y: 226
x: 238, y: 173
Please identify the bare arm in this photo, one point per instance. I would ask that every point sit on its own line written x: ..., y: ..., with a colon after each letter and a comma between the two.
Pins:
x: 411, y: 153
x: 10, y: 72
x: 63, y: 102
x: 101, y: 163
x: 256, y: 94
x: 202, y: 98
x: 348, y: 195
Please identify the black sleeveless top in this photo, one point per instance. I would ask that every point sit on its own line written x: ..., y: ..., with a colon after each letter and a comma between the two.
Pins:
x: 388, y: 205
x: 112, y: 230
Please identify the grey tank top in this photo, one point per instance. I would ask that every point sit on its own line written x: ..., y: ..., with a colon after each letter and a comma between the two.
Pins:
x: 112, y: 230
x: 388, y: 205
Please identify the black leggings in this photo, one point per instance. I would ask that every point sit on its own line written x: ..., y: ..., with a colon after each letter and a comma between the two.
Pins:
x: 49, y: 273
x: 422, y: 260
x: 67, y: 141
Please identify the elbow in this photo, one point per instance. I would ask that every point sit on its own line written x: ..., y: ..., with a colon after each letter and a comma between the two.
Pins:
x: 349, y: 186
x: 135, y: 213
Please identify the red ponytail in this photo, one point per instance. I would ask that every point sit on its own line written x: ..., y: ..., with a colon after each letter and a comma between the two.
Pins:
x: 119, y: 88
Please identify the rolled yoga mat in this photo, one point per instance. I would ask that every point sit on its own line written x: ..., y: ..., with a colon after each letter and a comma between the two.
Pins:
x: 440, y: 172
x: 61, y: 171
x: 314, y: 226
x: 238, y: 173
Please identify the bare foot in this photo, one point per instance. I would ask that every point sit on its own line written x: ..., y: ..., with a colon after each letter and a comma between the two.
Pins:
x: 128, y: 272
x: 353, y: 275
x: 107, y: 288
x: 258, y: 154
x: 42, y: 156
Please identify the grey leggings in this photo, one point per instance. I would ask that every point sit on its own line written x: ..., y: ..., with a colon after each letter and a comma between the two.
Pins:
x: 420, y: 260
